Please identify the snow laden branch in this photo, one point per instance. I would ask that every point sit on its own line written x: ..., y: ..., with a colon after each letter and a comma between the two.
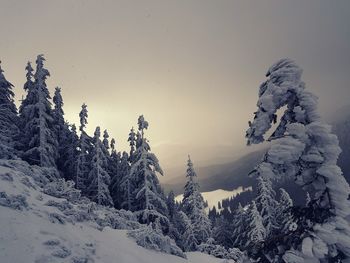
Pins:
x: 305, y: 149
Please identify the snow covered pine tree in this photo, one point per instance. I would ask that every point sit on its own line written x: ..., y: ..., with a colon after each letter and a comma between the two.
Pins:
x: 40, y: 141
x: 149, y: 202
x: 193, y: 206
x: 8, y: 119
x: 99, y: 180
x: 256, y: 231
x: 267, y: 204
x: 65, y: 138
x: 84, y: 149
x: 305, y: 149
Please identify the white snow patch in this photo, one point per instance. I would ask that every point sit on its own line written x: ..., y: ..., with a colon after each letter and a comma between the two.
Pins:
x: 28, y: 235
x: 213, y: 197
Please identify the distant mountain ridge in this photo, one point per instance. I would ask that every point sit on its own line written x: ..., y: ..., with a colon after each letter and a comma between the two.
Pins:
x: 234, y: 174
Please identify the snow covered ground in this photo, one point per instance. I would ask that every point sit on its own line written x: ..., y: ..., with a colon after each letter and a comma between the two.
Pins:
x: 213, y: 197
x: 33, y: 231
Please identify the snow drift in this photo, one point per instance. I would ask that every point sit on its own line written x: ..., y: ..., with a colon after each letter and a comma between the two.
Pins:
x: 38, y: 227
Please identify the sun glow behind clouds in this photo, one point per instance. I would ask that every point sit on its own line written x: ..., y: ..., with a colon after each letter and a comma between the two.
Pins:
x: 192, y: 68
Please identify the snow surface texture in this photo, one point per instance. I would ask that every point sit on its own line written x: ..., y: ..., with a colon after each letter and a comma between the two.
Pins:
x: 37, y: 227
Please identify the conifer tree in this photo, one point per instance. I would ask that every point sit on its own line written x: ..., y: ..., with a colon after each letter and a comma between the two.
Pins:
x: 193, y: 205
x: 149, y: 202
x: 58, y: 112
x: 8, y: 119
x: 70, y: 153
x: 40, y: 146
x: 171, y: 204
x: 120, y: 169
x: 84, y: 149
x: 284, y: 217
x: 184, y: 225
x: 132, y: 143
x: 267, y: 204
x: 222, y: 232
x: 114, y: 162
x: 127, y: 183
x: 240, y: 227
x: 105, y: 142
x: 29, y: 99
x: 305, y: 149
x: 256, y: 233
x: 99, y: 180
x: 213, y: 215
x: 64, y: 136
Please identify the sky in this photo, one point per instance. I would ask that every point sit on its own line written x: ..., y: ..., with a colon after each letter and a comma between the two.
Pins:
x: 192, y: 67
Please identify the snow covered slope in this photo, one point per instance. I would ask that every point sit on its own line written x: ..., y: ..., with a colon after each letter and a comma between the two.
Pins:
x: 213, y: 197
x: 36, y: 227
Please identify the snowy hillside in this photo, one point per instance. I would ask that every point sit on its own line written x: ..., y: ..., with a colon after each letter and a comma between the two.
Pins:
x: 213, y: 197
x: 37, y: 227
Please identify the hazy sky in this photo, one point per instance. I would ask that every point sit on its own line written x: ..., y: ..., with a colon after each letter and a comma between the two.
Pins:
x: 193, y: 68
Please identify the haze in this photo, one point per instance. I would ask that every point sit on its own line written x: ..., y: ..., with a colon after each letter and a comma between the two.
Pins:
x: 193, y: 68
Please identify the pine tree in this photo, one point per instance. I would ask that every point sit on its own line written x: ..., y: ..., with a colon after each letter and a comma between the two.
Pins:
x: 305, y: 149
x: 267, y: 204
x: 222, y: 232
x: 70, y: 153
x: 98, y: 178
x: 29, y: 99
x: 127, y: 183
x: 284, y: 217
x: 8, y: 119
x: 84, y: 149
x: 171, y: 204
x: 113, y: 167
x: 64, y: 136
x: 256, y: 233
x: 213, y: 215
x: 132, y: 143
x: 193, y: 205
x: 149, y: 201
x: 188, y: 241
x: 105, y: 142
x: 124, y: 184
x: 40, y: 146
x: 240, y: 226
x: 58, y: 112
x: 24, y: 110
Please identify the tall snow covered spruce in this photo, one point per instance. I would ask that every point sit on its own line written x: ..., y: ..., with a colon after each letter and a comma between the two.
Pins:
x: 132, y: 143
x: 113, y: 170
x: 84, y: 149
x: 305, y: 149
x: 8, y: 119
x: 149, y: 200
x: 126, y: 180
x: 193, y: 206
x: 98, y: 178
x: 28, y: 100
x: 64, y: 135
x: 284, y: 217
x: 256, y: 232
x: 267, y: 204
x: 125, y: 184
x: 40, y: 140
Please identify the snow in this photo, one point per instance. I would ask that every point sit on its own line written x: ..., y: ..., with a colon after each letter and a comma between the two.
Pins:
x: 28, y: 235
x: 213, y: 197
